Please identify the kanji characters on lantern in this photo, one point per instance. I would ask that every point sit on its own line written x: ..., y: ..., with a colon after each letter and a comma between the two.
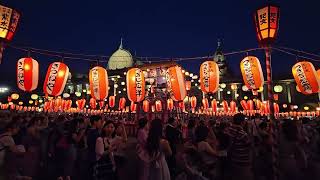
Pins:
x: 209, y: 77
x: 99, y: 84
x: 56, y: 79
x: 176, y: 83
x: 306, y: 77
x: 252, y: 72
x: 135, y: 85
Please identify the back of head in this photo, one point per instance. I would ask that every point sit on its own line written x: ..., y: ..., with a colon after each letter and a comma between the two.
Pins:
x: 94, y: 118
x: 142, y: 123
x: 155, y: 133
x: 201, y: 133
x: 238, y: 118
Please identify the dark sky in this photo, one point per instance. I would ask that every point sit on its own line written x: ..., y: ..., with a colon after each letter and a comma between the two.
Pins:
x: 166, y: 28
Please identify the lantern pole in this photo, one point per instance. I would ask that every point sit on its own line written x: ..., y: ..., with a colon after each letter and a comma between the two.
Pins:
x: 2, y: 47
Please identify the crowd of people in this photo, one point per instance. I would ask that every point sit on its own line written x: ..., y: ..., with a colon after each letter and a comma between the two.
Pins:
x: 83, y: 147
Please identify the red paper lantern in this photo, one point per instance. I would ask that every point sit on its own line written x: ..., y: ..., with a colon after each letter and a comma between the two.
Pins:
x: 176, y: 83
x: 133, y: 106
x: 233, y: 106
x: 135, y: 85
x: 306, y: 77
x: 93, y: 103
x: 205, y: 103
x: 188, y: 85
x: 101, y: 104
x: 158, y: 105
x: 27, y: 74
x: 81, y: 103
x: 122, y: 103
x: 250, y: 105
x: 170, y: 104
x: 258, y: 104
x: 214, y: 105
x: 193, y: 101
x: 112, y: 101
x: 244, y: 104
x: 252, y: 72
x: 225, y: 106
x: 56, y: 79
x: 146, y: 106
x: 209, y: 77
x: 99, y: 84
x: 276, y: 108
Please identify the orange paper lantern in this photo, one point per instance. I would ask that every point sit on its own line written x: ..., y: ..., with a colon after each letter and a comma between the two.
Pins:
x: 252, y: 72
x: 244, y: 104
x: 205, y: 103
x: 214, y: 105
x: 209, y: 77
x: 233, y: 106
x: 81, y: 103
x: 99, y: 84
x: 122, y: 103
x: 101, y: 104
x: 276, y: 108
x: 93, y: 103
x: 56, y: 79
x: 250, y: 105
x: 27, y: 74
x: 146, y: 106
x: 133, y: 106
x: 112, y: 101
x: 170, y: 104
x: 135, y: 85
x: 188, y: 85
x: 306, y: 77
x: 193, y: 103
x: 225, y: 106
x: 176, y: 83
x: 158, y: 105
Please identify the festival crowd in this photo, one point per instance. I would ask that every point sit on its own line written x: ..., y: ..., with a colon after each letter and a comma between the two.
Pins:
x: 93, y: 147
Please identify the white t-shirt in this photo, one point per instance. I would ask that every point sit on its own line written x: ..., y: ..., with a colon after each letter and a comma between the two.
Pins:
x: 6, y: 141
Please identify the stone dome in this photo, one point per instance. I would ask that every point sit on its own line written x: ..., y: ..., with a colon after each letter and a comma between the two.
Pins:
x: 120, y: 59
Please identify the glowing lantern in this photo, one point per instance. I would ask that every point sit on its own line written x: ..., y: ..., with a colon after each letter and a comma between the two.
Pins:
x: 93, y: 103
x: 205, y: 103
x: 101, y: 104
x: 233, y: 106
x: 158, y: 106
x: 276, y: 108
x: 181, y: 105
x: 258, y: 104
x: 9, y: 22
x: 56, y: 79
x: 214, y: 105
x: 135, y: 85
x: 244, y: 104
x: 122, y: 103
x: 267, y: 23
x: 81, y: 103
x: 193, y: 101
x: 306, y: 77
x: 15, y: 96
x: 133, y: 106
x: 176, y: 83
x: 318, y: 73
x: 276, y: 97
x: 34, y: 96
x: 112, y: 101
x: 251, y: 72
x: 146, y: 106
x: 225, y: 106
x: 209, y: 77
x: 99, y: 84
x: 27, y: 74
x: 250, y: 105
x: 278, y: 88
x: 188, y: 85
x: 170, y: 104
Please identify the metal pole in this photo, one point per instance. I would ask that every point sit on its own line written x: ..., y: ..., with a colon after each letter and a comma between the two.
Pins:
x: 273, y: 123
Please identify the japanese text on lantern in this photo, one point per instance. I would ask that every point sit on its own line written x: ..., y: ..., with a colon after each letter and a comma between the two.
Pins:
x: 303, y: 79
x: 206, y: 75
x: 52, y: 76
x: 5, y: 15
x: 95, y: 80
x: 20, y: 74
x: 263, y: 18
x: 248, y: 72
x: 138, y: 82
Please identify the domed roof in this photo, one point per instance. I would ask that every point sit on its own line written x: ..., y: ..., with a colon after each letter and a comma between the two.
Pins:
x: 120, y: 59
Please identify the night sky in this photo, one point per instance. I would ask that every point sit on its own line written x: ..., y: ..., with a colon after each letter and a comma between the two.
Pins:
x: 163, y: 28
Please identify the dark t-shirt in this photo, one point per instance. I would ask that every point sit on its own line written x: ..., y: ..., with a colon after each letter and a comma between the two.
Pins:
x: 92, y: 136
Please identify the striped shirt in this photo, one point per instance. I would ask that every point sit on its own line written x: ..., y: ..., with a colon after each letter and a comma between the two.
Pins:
x: 239, y: 150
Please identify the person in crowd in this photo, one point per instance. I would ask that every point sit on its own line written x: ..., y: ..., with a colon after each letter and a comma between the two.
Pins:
x: 292, y: 157
x: 222, y: 150
x: 143, y: 131
x: 105, y: 147
x: 207, y: 153
x: 239, y: 152
x: 153, y: 154
x: 9, y: 165
x: 120, y: 140
x: 81, y: 147
x: 191, y: 130
x: 92, y: 136
x: 172, y: 134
